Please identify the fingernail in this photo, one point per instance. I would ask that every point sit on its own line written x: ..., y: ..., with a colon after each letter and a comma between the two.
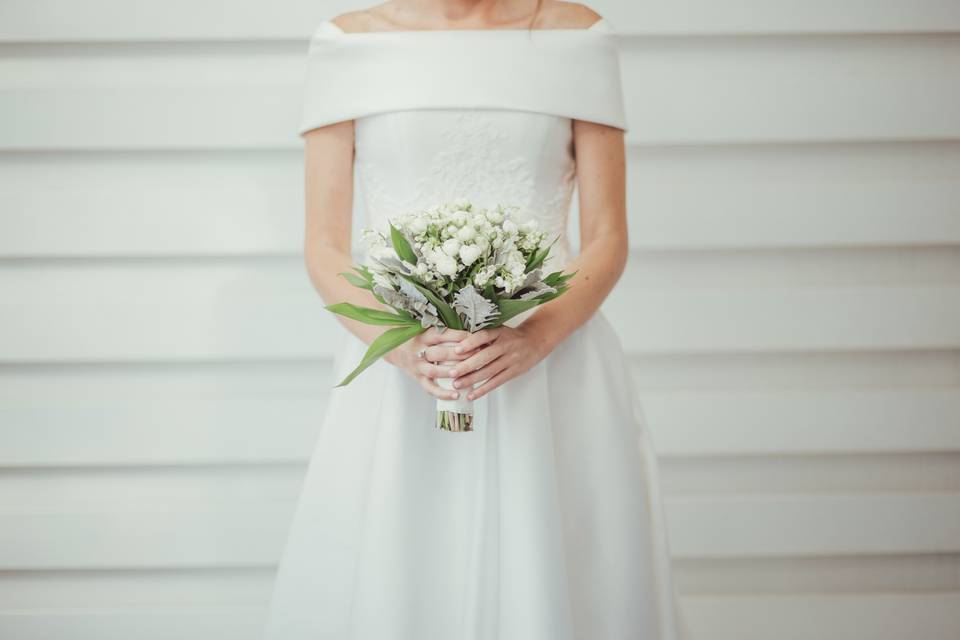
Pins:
x: 456, y: 384
x: 470, y: 396
x: 455, y: 395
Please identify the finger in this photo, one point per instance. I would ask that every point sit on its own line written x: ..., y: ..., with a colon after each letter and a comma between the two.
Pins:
x: 435, y: 336
x: 481, y: 358
x: 436, y: 390
x: 431, y: 370
x: 489, y: 385
x: 487, y: 371
x: 439, y: 353
x: 430, y: 336
x: 477, y: 339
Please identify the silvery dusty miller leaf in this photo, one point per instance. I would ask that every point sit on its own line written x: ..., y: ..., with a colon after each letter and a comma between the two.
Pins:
x: 477, y: 310
x: 409, y: 299
x: 538, y: 288
x: 395, y: 264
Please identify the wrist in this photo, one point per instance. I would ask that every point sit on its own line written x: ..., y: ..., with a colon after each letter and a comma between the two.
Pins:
x: 544, y: 338
x: 396, y: 356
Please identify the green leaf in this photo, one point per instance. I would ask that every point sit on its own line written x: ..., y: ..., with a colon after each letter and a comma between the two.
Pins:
x: 539, y: 255
x: 370, y: 316
x: 547, y: 297
x: 558, y: 278
x: 511, y: 308
x: 401, y: 246
x: 356, y: 280
x: 364, y: 271
x: 488, y: 291
x: 553, y: 279
x: 447, y: 314
x: 389, y: 339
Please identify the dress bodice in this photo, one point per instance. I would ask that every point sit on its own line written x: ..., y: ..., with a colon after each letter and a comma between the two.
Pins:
x: 482, y: 115
x: 409, y: 160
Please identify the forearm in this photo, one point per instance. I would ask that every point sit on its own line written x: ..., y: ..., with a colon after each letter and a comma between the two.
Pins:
x: 324, y: 263
x: 599, y: 266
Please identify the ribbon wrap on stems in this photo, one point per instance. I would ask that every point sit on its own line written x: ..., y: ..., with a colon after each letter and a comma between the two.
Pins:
x: 478, y: 407
x: 458, y: 414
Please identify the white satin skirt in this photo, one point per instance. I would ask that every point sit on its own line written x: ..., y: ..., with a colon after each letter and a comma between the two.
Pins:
x: 544, y: 523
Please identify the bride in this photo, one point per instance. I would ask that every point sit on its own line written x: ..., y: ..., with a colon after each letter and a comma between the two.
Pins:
x: 545, y: 522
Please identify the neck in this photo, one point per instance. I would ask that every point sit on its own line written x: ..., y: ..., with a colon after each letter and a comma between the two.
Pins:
x: 481, y: 14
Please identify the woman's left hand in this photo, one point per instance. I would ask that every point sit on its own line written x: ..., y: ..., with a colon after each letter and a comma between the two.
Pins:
x: 498, y: 354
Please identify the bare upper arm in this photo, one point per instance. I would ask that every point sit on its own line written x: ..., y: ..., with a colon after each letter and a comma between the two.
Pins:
x: 600, y: 151
x: 601, y: 176
x: 328, y: 185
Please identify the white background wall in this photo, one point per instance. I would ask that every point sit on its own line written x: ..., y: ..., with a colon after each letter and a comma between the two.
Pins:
x: 795, y: 211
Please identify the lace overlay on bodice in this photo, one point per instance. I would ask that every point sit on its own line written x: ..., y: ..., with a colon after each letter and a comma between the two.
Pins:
x: 411, y: 159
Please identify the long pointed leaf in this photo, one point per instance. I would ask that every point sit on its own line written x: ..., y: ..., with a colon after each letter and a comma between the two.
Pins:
x: 401, y: 246
x: 364, y: 271
x: 510, y: 308
x: 370, y: 316
x: 538, y: 256
x: 389, y: 339
x: 447, y: 314
x: 356, y: 280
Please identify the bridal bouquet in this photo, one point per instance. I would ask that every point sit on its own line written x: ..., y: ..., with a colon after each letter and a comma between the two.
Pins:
x: 453, y: 265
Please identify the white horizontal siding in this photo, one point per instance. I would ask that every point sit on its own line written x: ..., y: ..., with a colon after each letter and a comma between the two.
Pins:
x: 691, y: 197
x: 791, y: 311
x: 199, y: 309
x: 124, y: 20
x: 239, y: 96
x: 879, y: 617
x: 236, y: 516
x: 220, y: 411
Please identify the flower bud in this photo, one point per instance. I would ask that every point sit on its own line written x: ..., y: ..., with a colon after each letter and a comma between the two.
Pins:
x: 469, y: 253
x: 451, y: 246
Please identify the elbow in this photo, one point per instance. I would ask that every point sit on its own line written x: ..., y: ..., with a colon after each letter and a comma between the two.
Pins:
x: 318, y: 267
x: 619, y: 254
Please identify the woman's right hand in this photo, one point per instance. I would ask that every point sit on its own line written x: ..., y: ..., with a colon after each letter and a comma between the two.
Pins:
x: 424, y: 370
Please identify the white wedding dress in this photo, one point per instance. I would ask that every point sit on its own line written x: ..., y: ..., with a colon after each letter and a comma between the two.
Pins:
x: 545, y: 522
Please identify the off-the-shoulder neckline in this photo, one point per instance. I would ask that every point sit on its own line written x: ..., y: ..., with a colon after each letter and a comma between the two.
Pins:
x: 590, y: 29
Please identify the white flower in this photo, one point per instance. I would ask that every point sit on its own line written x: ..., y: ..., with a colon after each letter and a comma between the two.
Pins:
x: 469, y: 253
x: 418, y: 225
x: 529, y: 226
x: 509, y: 226
x: 467, y: 233
x: 446, y: 265
x: 482, y: 277
x: 451, y: 247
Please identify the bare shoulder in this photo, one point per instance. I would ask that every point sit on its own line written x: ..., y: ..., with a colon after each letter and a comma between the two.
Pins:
x: 369, y: 19
x: 566, y: 15
x: 555, y: 14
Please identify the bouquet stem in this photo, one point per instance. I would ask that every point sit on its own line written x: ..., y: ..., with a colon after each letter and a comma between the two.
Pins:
x: 453, y: 415
x: 454, y: 421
